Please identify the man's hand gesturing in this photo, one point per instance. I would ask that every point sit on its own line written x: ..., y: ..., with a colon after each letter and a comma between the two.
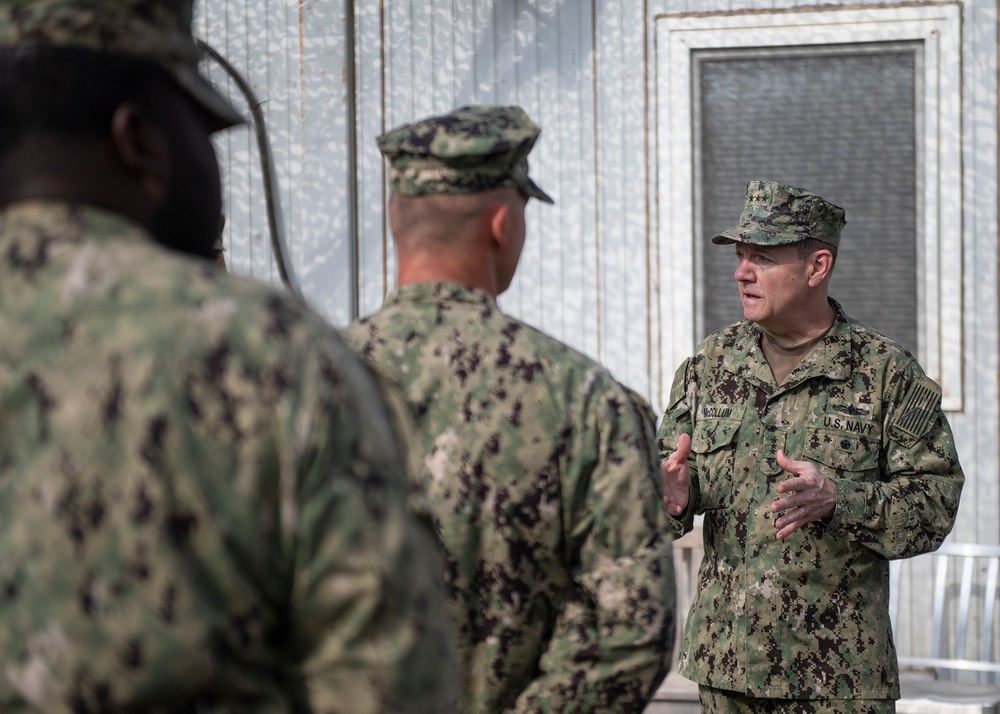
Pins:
x: 677, y: 477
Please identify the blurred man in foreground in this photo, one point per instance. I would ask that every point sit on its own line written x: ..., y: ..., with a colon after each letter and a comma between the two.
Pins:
x: 202, y: 494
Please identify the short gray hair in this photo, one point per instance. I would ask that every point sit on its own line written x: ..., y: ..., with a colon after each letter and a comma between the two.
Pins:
x: 810, y: 245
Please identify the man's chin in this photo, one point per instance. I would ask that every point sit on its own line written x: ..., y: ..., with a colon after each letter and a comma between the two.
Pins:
x: 190, y: 232
x: 186, y: 243
x: 193, y: 251
x: 755, y: 316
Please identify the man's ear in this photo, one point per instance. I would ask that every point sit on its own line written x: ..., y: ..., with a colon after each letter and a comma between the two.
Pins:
x: 820, y: 265
x: 498, y: 226
x: 142, y: 148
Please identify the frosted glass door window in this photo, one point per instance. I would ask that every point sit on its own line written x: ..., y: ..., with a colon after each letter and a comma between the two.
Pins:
x: 840, y: 121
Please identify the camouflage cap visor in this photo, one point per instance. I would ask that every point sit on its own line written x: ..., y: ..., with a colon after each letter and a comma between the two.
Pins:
x: 224, y: 114
x: 520, y: 177
x: 533, y: 190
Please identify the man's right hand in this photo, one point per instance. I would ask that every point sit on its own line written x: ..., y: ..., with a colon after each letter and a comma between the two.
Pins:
x: 677, y: 477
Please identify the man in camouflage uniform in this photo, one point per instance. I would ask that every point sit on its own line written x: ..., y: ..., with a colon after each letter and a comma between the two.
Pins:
x: 540, y: 470
x: 202, y: 502
x: 817, y: 450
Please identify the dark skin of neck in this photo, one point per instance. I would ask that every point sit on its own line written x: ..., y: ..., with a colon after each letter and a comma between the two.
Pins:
x: 126, y: 171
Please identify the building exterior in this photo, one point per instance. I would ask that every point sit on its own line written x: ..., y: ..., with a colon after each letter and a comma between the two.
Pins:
x: 655, y: 114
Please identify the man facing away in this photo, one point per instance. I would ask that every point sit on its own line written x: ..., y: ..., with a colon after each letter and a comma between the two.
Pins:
x: 202, y: 495
x: 540, y: 471
x: 817, y: 450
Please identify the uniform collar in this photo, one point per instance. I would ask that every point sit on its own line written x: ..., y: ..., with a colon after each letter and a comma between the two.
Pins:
x: 832, y: 357
x: 62, y: 221
x: 438, y: 292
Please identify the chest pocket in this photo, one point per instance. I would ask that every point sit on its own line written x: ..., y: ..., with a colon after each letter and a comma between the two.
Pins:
x: 850, y: 455
x: 714, y: 443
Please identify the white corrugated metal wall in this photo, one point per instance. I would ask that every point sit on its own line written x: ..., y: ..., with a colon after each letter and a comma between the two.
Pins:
x: 586, y: 71
x: 586, y: 262
x: 293, y: 57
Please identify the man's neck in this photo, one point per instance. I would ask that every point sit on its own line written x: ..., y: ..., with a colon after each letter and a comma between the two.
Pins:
x: 810, y: 327
x: 784, y: 352
x: 425, y: 268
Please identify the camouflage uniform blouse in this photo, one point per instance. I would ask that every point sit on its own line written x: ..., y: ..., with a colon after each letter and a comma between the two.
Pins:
x: 201, y: 505
x: 807, y: 616
x: 541, y: 480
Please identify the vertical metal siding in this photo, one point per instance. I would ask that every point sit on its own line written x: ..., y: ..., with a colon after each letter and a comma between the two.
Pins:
x: 435, y: 56
x: 623, y: 201
x: 978, y: 426
x: 292, y: 56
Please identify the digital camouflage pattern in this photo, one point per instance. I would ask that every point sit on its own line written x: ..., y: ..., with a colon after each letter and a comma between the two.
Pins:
x: 472, y: 149
x: 720, y: 701
x: 776, y: 214
x: 807, y: 616
x: 202, y: 494
x: 156, y: 31
x: 542, y: 479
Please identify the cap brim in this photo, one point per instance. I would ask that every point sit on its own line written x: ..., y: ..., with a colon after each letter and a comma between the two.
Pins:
x: 532, y: 189
x: 223, y: 113
x: 740, y: 234
x: 725, y: 238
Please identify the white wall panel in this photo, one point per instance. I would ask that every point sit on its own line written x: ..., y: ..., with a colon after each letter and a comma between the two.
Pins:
x: 431, y: 57
x: 979, y: 424
x: 292, y: 56
x: 372, y: 245
x: 556, y: 285
x: 623, y: 201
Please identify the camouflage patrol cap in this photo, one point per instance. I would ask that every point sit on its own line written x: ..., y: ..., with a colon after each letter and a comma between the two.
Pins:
x: 472, y: 149
x: 156, y: 31
x: 776, y: 214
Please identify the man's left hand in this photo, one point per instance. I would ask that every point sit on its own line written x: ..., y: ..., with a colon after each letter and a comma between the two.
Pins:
x: 810, y: 496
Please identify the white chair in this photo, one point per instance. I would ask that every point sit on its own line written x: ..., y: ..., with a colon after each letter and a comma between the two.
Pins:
x: 960, y: 672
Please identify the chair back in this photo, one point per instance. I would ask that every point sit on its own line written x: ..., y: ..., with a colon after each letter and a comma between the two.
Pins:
x: 964, y: 603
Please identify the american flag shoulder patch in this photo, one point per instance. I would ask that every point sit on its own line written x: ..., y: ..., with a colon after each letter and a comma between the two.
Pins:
x: 917, y: 413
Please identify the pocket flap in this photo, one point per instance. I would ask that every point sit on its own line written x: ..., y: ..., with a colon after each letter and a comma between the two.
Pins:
x: 712, y: 434
x: 842, y: 450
